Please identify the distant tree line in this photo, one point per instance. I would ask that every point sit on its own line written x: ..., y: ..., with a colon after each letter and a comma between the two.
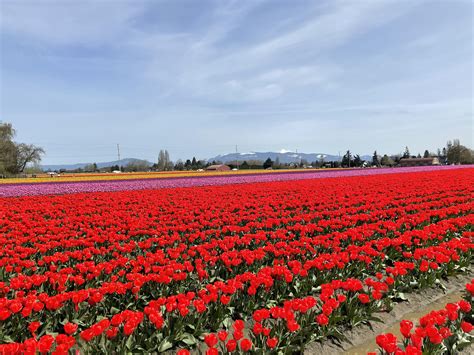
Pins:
x: 16, y: 158
x: 453, y: 153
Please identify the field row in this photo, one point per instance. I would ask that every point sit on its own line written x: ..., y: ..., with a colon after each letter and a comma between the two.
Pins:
x: 262, y: 267
x: 443, y: 331
x: 84, y: 177
x: 171, y: 180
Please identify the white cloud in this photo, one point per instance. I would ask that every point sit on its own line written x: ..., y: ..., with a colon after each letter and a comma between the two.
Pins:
x: 193, y: 65
x: 329, y: 68
x: 256, y: 72
x: 66, y: 22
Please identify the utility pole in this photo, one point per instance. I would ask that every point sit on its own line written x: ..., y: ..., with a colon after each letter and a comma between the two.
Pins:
x: 237, y: 158
x: 118, y: 152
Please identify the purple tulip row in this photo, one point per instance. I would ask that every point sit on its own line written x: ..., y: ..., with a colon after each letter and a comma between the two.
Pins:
x: 55, y: 188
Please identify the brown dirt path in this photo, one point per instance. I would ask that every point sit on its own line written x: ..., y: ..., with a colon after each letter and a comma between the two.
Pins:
x: 362, y: 338
x: 370, y: 344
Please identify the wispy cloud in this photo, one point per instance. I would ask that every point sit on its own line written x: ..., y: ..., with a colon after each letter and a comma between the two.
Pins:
x: 69, y: 22
x: 211, y: 67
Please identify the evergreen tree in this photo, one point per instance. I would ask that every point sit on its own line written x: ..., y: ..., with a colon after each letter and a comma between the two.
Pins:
x: 346, y: 159
x: 268, y: 163
x: 375, y: 159
x: 188, y: 164
x: 406, y: 153
x: 426, y: 154
x: 357, y: 160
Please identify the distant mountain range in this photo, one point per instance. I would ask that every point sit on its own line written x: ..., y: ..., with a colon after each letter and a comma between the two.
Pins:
x: 284, y: 156
x: 121, y: 162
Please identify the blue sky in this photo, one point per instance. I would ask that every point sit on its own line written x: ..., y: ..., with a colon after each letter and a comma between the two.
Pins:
x: 199, y: 77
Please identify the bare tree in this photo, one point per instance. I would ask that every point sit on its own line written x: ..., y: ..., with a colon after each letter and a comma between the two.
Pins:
x: 14, y: 157
x: 8, y: 151
x: 164, y: 162
x: 138, y: 165
x: 28, y: 153
x: 387, y: 161
x: 458, y: 154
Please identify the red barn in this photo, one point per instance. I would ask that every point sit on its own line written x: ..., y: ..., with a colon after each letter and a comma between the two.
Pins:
x: 219, y: 167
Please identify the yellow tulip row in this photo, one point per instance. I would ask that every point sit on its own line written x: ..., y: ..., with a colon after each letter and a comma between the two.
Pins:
x: 71, y: 177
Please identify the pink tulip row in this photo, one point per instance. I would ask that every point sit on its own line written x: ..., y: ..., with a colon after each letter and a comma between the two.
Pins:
x: 56, y: 188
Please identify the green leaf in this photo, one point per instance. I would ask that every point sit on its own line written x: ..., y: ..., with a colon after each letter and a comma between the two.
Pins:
x: 129, y: 343
x: 402, y: 296
x: 7, y: 339
x: 165, y: 345
x: 188, y: 339
x: 228, y: 322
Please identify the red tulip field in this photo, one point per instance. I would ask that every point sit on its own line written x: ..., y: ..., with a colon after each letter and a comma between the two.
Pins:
x: 261, y: 268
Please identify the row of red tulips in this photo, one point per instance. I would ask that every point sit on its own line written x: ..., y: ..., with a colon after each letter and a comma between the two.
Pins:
x: 159, y: 270
x: 445, y: 331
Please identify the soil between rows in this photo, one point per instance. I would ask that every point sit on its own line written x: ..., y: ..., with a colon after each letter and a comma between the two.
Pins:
x: 362, y: 338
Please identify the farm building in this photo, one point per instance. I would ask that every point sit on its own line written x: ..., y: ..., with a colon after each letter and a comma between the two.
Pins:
x: 220, y: 167
x: 419, y: 161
